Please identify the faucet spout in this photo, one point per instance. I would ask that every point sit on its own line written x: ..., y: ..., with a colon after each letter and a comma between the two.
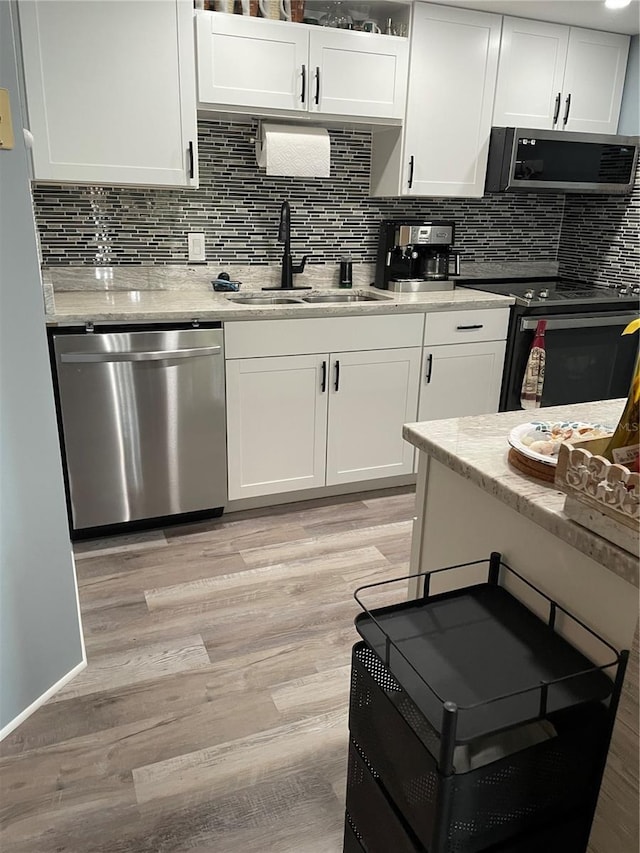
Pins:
x: 288, y: 267
x: 284, y: 231
x: 284, y: 236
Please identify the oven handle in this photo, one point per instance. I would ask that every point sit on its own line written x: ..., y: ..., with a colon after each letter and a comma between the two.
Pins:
x: 528, y: 324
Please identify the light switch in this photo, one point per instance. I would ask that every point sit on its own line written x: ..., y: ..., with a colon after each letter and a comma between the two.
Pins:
x: 196, y: 246
x: 6, y: 126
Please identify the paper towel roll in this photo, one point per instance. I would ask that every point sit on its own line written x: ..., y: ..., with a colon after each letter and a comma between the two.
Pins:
x: 291, y: 151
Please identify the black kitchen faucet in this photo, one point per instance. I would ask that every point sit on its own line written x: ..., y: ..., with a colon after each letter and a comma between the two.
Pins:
x: 288, y: 268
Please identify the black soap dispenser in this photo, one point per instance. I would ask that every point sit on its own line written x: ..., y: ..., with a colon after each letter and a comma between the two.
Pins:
x: 346, y: 272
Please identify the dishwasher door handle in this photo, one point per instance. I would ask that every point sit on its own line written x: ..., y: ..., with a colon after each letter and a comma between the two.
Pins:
x: 159, y: 355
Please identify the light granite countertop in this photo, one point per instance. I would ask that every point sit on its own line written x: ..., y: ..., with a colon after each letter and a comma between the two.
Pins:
x: 476, y: 448
x: 78, y: 307
x: 76, y: 295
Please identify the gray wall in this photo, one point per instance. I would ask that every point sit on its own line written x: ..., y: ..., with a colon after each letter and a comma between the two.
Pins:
x: 40, y: 639
x: 629, y: 123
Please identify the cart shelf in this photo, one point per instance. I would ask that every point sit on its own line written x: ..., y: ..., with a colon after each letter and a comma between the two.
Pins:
x: 476, y: 660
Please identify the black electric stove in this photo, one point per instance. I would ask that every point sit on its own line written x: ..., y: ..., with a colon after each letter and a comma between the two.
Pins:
x: 587, y: 356
x: 559, y: 292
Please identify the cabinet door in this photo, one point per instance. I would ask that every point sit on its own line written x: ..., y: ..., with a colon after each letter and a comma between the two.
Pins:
x: 593, y: 81
x: 276, y: 424
x: 461, y: 379
x: 111, y: 91
x: 530, y: 74
x: 452, y: 77
x: 358, y: 74
x: 252, y: 62
x: 372, y: 394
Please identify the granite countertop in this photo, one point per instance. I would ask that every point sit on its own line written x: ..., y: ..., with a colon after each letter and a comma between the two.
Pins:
x: 175, y: 293
x: 75, y: 307
x: 476, y: 448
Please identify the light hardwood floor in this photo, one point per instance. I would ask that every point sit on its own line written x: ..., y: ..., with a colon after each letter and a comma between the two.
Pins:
x: 213, y: 713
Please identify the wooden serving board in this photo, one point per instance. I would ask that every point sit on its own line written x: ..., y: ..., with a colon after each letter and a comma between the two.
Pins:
x: 531, y: 467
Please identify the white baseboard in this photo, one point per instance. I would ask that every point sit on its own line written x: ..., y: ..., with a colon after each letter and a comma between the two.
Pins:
x: 22, y: 716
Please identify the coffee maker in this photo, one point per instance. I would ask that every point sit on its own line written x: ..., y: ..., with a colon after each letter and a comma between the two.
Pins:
x: 414, y: 255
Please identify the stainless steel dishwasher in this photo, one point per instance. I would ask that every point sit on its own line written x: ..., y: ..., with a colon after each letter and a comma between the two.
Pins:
x: 143, y: 423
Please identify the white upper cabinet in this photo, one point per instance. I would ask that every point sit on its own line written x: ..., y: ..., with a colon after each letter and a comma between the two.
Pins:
x: 250, y: 62
x: 594, y: 80
x: 110, y: 91
x: 357, y: 74
x: 443, y: 148
x: 531, y: 72
x: 553, y: 77
x: 254, y: 64
x: 454, y: 62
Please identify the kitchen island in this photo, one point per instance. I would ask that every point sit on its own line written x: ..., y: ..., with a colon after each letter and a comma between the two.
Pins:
x: 471, y: 502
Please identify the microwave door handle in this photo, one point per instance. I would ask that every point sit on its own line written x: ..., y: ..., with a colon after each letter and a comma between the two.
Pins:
x: 557, y: 323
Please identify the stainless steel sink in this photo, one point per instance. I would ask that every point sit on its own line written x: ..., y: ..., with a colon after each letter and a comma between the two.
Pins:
x: 264, y: 300
x: 340, y: 297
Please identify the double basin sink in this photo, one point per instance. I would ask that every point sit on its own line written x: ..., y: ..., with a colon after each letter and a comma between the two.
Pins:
x: 312, y: 298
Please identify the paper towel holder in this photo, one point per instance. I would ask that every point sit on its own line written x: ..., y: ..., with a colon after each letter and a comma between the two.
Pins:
x: 258, y: 140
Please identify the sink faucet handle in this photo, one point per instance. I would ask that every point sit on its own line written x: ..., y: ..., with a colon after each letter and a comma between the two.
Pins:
x: 298, y: 268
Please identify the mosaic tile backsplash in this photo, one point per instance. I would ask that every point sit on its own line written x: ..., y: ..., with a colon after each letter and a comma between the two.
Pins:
x: 237, y: 207
x: 600, y: 239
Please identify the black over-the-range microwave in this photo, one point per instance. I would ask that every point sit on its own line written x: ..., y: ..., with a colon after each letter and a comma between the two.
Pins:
x: 526, y: 160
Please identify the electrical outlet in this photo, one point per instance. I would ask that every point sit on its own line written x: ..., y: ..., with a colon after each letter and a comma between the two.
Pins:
x: 196, y: 246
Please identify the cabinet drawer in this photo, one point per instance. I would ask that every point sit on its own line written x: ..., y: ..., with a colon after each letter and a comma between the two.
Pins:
x: 261, y: 338
x: 476, y: 324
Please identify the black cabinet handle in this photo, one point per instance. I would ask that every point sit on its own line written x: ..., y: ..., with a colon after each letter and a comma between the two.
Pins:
x: 556, y: 111
x: 317, y: 97
x: 411, y: 164
x: 304, y: 83
x: 429, y: 368
x: 323, y: 382
x: 191, y: 161
x: 566, y: 110
x: 337, y: 382
x: 465, y: 328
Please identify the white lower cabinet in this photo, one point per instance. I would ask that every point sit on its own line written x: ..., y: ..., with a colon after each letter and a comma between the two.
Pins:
x: 302, y: 421
x: 372, y: 394
x: 333, y: 415
x: 276, y: 424
x: 461, y: 379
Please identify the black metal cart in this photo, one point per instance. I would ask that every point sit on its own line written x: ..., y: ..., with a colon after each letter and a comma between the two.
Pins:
x: 475, y: 725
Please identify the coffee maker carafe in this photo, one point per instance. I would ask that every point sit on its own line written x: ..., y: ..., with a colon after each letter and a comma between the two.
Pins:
x: 415, y: 255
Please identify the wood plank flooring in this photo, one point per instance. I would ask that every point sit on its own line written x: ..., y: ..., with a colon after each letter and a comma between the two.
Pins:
x: 212, y: 715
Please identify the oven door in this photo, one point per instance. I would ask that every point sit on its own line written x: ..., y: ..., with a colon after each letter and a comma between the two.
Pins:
x: 587, y: 358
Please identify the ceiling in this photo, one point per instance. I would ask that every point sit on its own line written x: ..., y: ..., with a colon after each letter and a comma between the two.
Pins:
x: 592, y: 14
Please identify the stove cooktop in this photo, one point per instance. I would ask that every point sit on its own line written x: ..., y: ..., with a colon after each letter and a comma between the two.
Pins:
x: 558, y: 291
